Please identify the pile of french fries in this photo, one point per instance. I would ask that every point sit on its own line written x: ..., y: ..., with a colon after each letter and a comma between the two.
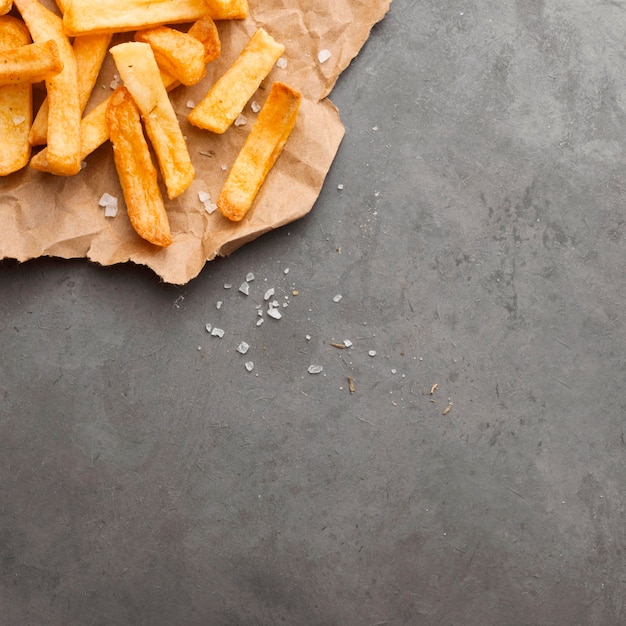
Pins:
x: 66, y: 51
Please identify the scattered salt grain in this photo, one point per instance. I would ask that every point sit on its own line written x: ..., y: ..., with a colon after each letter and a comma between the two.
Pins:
x: 218, y: 304
x: 347, y: 343
x: 243, y: 347
x: 115, y: 83
x: 274, y: 313
x: 340, y: 186
x: 372, y: 352
x: 244, y: 288
x: 249, y: 366
x: 259, y: 321
x: 394, y: 370
x: 315, y: 369
x: 281, y: 63
x: 218, y: 332
x: 109, y: 203
x: 286, y: 270
x: 337, y: 298
x: 208, y: 327
x: 323, y: 56
x: 205, y: 198
x: 227, y: 286
x: 269, y: 293
x: 241, y: 120
x: 191, y: 104
x: 255, y: 106
x: 18, y: 119
x: 249, y: 277
x: 308, y: 337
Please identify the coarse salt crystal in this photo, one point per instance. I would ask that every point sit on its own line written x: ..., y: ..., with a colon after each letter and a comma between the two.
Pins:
x: 18, y: 119
x: 106, y: 199
x: 203, y: 196
x: 244, y: 288
x: 110, y: 211
x: 243, y: 347
x: 115, y: 83
x: 249, y: 365
x: 337, y: 298
x: 340, y: 186
x: 241, y: 120
x: 281, y: 63
x: 323, y: 56
x: 218, y: 304
x: 275, y: 313
x: 227, y: 286
x: 372, y: 352
x: 315, y: 369
x: 191, y: 104
x: 259, y: 321
x: 218, y: 332
x: 249, y: 277
x: 307, y: 337
x: 208, y: 327
x: 255, y: 106
x: 347, y: 343
x: 286, y: 270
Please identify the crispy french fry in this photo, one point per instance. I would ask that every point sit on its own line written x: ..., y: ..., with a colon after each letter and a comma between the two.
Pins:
x: 228, y: 96
x: 137, y: 173
x: 31, y: 63
x: 5, y: 6
x: 205, y: 31
x: 262, y: 147
x: 89, y: 52
x: 138, y: 69
x: 109, y: 16
x: 64, y: 114
x: 179, y: 54
x: 228, y: 9
x: 16, y: 104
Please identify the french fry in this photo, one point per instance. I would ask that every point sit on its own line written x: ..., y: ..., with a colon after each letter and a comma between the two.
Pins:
x: 30, y: 63
x: 5, y: 6
x: 228, y: 9
x: 16, y: 104
x: 179, y: 54
x: 89, y: 52
x: 110, y: 16
x: 228, y: 96
x: 138, y: 69
x: 64, y: 113
x: 136, y: 171
x: 260, y: 151
x: 205, y: 31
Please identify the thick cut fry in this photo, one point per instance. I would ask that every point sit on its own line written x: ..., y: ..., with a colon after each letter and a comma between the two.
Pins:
x: 109, y: 16
x: 260, y: 151
x: 16, y: 104
x: 138, y: 69
x: 31, y: 63
x: 205, y: 31
x: 135, y: 169
x: 228, y: 96
x: 228, y: 9
x: 89, y: 52
x: 176, y: 53
x: 64, y: 112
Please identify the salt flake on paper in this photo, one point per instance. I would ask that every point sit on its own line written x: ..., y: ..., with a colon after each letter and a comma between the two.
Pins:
x: 243, y: 347
x: 249, y: 365
x: 337, y: 298
x: 244, y: 288
x: 282, y: 63
x: 323, y: 56
x: 275, y: 313
x: 255, y: 106
x: 109, y: 203
x: 241, y: 120
x: 218, y: 332
x: 315, y: 369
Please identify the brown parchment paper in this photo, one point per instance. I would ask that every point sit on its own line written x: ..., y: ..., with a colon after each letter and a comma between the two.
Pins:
x: 45, y: 215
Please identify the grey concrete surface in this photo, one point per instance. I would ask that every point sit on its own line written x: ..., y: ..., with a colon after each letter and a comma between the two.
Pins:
x: 478, y: 244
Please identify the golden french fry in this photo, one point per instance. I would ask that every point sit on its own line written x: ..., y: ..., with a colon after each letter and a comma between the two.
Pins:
x: 262, y: 147
x: 137, y: 173
x: 228, y: 9
x: 179, y: 54
x: 30, y: 63
x: 205, y: 31
x: 89, y: 52
x: 228, y: 96
x: 5, y: 6
x: 138, y: 69
x: 16, y: 104
x: 109, y: 16
x: 64, y: 113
